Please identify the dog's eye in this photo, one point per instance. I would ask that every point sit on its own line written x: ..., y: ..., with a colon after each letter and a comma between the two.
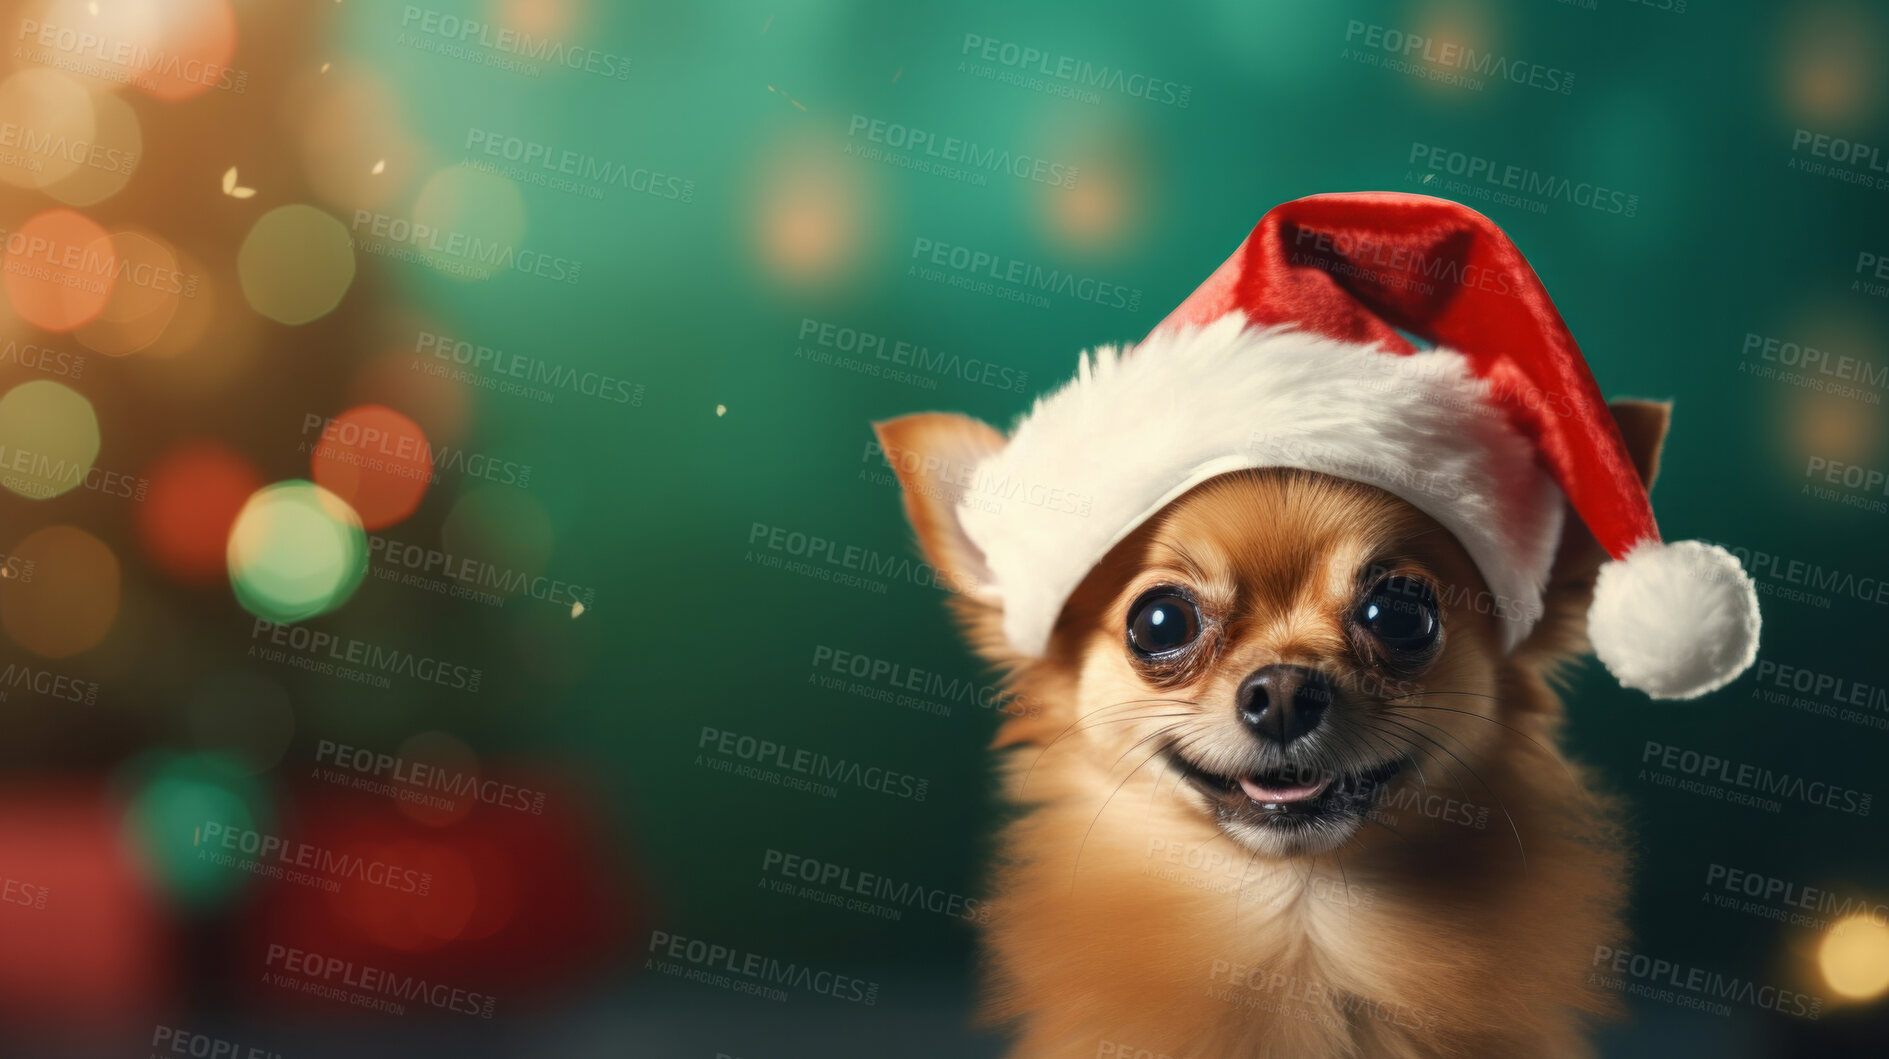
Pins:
x: 1401, y: 613
x: 1163, y: 621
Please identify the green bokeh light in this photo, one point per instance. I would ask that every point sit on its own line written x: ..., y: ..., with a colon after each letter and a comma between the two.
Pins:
x: 296, y: 551
x: 177, y: 798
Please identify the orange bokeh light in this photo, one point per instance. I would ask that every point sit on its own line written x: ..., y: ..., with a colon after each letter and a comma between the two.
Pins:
x: 375, y: 459
x: 60, y: 270
x: 197, y: 489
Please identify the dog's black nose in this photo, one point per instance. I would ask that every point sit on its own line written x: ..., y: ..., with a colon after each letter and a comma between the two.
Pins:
x: 1282, y: 703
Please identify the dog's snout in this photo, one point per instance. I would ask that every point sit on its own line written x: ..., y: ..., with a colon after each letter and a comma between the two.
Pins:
x: 1280, y: 703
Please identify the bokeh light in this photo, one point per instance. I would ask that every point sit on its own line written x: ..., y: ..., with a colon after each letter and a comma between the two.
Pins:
x: 347, y: 123
x: 439, y: 404
x: 117, y: 146
x: 1832, y: 65
x: 445, y: 754
x: 143, y: 302
x: 481, y: 209
x: 296, y: 551
x: 375, y: 459
x: 48, y: 437
x: 412, y: 922
x: 812, y: 217
x: 175, y: 796
x: 51, y: 123
x: 1854, y: 957
x: 196, y: 490
x: 295, y: 264
x: 60, y: 269
x: 72, y: 599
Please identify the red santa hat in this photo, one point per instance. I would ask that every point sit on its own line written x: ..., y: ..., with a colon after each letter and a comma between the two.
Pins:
x: 1294, y: 354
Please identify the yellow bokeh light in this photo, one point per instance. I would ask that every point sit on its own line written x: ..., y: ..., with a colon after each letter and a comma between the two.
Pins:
x: 296, y: 551
x: 50, y: 127
x: 347, y: 125
x: 70, y: 603
x: 1854, y: 958
x: 472, y: 214
x: 112, y: 156
x: 48, y: 439
x: 295, y: 264
x: 142, y: 306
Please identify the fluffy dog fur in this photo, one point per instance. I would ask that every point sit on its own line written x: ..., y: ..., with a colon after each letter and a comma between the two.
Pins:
x: 1459, y: 917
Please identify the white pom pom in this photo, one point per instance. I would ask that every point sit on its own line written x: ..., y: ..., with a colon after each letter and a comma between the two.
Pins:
x: 1674, y: 620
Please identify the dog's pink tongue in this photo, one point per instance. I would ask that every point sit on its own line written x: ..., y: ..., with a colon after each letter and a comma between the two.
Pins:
x: 1297, y: 792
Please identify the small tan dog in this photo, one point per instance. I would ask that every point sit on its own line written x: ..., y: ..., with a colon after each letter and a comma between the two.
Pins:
x: 1190, y: 883
x: 1295, y: 790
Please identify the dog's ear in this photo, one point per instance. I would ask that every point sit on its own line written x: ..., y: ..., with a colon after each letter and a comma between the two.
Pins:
x: 1561, y: 634
x: 934, y: 454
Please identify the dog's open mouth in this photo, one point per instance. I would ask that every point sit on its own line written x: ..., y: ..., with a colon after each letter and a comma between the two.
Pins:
x: 1289, y: 797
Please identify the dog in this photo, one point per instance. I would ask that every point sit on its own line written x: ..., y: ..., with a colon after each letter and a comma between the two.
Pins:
x: 1287, y: 794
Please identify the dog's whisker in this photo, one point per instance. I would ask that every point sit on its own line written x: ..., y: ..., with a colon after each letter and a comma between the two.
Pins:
x: 1076, y: 867
x: 1091, y: 719
x: 1500, y: 804
x: 1551, y: 755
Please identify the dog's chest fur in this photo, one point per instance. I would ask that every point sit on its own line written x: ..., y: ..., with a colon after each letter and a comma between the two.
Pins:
x: 1166, y: 939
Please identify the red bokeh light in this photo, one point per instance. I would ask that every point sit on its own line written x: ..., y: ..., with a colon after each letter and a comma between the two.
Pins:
x: 377, y: 460
x: 197, y: 489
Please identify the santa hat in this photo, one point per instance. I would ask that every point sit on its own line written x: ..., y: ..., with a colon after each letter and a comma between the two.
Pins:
x: 1294, y: 354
